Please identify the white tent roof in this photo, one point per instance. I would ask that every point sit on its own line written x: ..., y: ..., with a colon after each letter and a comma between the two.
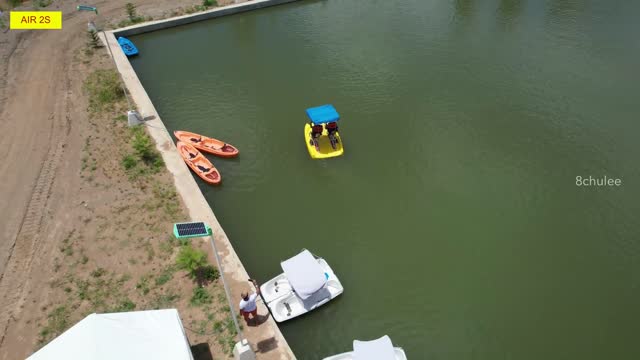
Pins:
x: 379, y: 349
x: 155, y: 334
x: 304, y: 273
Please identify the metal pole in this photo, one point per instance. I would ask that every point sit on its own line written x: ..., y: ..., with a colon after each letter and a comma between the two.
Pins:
x: 226, y: 288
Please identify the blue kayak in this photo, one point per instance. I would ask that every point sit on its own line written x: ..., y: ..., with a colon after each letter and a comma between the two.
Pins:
x: 127, y: 46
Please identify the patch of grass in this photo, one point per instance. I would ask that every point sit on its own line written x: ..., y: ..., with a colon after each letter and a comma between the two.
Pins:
x: 124, y: 305
x: 67, y: 249
x: 165, y: 276
x: 104, y: 90
x: 143, y: 285
x: 168, y: 246
x: 148, y: 247
x: 57, y: 322
x: 165, y: 198
x: 83, y: 289
x: 100, y: 292
x: 98, y: 272
x: 42, y: 3
x: 200, y: 297
x: 14, y: 3
x: 218, y: 327
x: 123, y: 279
x: 164, y: 301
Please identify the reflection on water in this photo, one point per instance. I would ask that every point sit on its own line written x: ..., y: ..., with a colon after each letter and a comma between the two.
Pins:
x: 567, y: 9
x: 508, y: 12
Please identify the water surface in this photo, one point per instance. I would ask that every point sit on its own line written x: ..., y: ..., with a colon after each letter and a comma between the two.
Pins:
x: 453, y: 220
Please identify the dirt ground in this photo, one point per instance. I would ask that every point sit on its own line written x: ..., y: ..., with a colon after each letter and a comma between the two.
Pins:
x: 78, y: 234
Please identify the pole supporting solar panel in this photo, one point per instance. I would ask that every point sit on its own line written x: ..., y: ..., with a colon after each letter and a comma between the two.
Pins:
x: 200, y: 229
x: 191, y: 229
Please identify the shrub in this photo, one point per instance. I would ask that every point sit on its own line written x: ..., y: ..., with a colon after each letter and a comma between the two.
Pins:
x: 93, y: 41
x: 131, y: 11
x: 145, y: 148
x: 129, y: 162
x: 209, y: 3
x: 206, y: 274
x: 200, y: 297
x: 190, y: 259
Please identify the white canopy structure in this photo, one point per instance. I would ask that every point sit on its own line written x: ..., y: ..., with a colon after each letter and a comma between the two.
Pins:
x: 305, y: 274
x: 155, y: 334
x: 379, y: 349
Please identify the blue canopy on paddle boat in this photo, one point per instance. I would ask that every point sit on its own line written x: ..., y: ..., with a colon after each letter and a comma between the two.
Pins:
x: 323, y: 114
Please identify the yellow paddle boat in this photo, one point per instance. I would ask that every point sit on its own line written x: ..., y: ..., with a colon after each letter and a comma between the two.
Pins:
x: 321, y: 132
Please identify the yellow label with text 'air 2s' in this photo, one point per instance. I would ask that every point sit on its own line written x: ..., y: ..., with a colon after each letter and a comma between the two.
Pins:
x: 45, y: 20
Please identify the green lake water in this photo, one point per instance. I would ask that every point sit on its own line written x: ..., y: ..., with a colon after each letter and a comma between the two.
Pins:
x: 453, y: 220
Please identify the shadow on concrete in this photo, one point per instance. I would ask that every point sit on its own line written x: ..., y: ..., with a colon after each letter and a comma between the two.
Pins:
x: 201, y: 352
x: 148, y: 118
x: 267, y: 345
x: 258, y: 320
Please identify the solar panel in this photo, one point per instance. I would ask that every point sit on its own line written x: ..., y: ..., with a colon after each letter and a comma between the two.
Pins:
x: 191, y: 229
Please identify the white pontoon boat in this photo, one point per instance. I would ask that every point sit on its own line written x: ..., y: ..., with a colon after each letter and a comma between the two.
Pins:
x: 379, y: 349
x: 306, y: 284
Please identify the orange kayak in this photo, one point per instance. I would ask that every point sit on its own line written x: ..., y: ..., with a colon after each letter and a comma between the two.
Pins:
x: 207, y: 144
x: 198, y: 163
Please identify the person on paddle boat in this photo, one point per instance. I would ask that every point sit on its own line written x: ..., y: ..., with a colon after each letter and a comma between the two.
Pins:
x: 316, y: 132
x: 248, y: 305
x: 332, y: 128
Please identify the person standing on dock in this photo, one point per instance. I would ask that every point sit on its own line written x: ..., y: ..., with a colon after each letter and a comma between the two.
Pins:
x: 248, y: 304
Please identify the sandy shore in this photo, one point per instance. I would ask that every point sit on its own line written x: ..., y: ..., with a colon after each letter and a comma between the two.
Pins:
x: 54, y: 202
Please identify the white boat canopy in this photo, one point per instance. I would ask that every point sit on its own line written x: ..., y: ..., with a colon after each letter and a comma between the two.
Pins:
x: 153, y: 334
x: 379, y: 349
x: 304, y: 273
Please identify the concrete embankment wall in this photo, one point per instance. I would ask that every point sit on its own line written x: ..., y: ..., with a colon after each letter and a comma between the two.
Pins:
x: 266, y: 339
x: 188, y: 19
